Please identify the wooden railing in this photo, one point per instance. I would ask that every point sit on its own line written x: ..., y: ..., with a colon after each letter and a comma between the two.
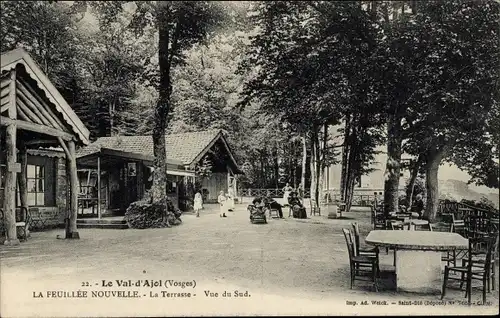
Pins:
x: 328, y: 196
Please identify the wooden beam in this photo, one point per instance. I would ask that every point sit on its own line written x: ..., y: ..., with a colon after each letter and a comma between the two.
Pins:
x: 5, y: 121
x: 10, y: 177
x: 5, y: 82
x: 45, y: 108
x: 71, y: 229
x: 22, y: 98
x: 4, y: 91
x: 4, y: 100
x: 40, y: 142
x: 22, y: 115
x: 26, y: 95
x: 63, y: 145
x: 34, y: 118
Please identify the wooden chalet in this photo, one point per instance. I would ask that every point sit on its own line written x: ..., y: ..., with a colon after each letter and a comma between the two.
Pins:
x: 34, y: 115
x: 121, y: 167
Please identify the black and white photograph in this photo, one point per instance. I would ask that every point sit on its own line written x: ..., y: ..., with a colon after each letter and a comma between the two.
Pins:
x: 249, y: 158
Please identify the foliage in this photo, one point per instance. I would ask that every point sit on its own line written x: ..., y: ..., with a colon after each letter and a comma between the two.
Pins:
x: 146, y: 214
x: 203, y: 169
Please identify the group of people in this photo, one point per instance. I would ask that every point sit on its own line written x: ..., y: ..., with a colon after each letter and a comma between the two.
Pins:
x: 291, y: 199
x: 226, y: 203
x: 225, y: 200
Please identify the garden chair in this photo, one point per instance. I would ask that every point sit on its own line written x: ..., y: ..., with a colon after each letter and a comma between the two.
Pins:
x: 273, y: 213
x: 23, y: 220
x: 368, y: 251
x: 361, y: 266
x: 472, y: 268
x: 314, y: 207
x: 378, y: 219
x: 481, y: 259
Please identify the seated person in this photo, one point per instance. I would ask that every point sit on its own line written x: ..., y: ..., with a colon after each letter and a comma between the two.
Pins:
x: 272, y: 204
x: 299, y: 211
x: 259, y: 203
x: 418, y: 206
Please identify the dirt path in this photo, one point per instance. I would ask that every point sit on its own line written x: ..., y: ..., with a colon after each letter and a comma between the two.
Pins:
x: 288, y: 268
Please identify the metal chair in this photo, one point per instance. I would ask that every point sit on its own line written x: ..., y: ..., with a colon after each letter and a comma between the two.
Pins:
x: 361, y: 266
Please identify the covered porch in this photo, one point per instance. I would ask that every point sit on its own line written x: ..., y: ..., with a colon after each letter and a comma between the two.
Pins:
x: 109, y: 180
x: 33, y: 115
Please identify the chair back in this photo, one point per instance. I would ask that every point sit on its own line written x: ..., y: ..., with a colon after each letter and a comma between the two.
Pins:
x: 481, y: 245
x: 475, y: 226
x: 355, y: 231
x: 441, y: 227
x: 349, y: 242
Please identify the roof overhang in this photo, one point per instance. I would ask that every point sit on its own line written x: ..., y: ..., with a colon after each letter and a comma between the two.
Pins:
x: 9, y: 60
x: 111, y: 156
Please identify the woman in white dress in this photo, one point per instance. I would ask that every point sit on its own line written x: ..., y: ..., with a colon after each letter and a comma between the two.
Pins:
x: 198, y: 203
x: 222, y: 203
x: 286, y: 193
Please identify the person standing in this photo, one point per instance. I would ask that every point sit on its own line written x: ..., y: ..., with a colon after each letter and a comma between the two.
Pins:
x: 222, y: 203
x: 286, y: 192
x: 198, y: 203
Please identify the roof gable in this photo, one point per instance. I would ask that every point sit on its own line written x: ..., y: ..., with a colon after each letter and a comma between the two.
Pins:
x: 11, y: 59
x: 188, y: 148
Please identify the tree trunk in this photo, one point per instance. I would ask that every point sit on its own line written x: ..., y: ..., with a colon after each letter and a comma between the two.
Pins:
x: 321, y: 163
x: 352, y: 168
x: 434, y: 158
x: 345, y: 155
x: 159, y: 187
x: 393, y: 165
x: 312, y: 164
x: 304, y: 163
x: 276, y: 166
x: 413, y: 179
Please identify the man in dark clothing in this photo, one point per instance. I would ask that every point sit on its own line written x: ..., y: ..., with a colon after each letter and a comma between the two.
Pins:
x: 272, y: 204
x: 418, y: 206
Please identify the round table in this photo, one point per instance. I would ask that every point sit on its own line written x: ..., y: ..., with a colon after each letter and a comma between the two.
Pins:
x: 418, y: 256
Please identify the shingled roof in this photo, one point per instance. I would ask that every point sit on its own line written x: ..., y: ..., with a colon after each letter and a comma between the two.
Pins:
x: 187, y: 148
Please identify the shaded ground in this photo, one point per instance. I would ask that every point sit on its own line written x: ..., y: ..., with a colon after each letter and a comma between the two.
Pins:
x: 288, y: 266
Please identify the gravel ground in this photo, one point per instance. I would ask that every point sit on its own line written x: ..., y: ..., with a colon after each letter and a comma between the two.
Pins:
x: 288, y: 266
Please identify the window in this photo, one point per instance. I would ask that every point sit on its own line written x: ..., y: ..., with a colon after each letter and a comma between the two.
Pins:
x: 36, y: 185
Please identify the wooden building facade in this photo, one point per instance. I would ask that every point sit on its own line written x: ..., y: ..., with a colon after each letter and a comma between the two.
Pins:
x: 33, y: 115
x: 121, y: 167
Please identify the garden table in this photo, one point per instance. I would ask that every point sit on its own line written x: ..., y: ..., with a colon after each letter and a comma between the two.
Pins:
x: 418, y: 256
x: 414, y: 222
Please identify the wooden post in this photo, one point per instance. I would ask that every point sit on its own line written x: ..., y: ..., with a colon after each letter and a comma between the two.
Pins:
x: 12, y: 168
x: 98, y: 187
x: 71, y: 229
x: 22, y: 180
